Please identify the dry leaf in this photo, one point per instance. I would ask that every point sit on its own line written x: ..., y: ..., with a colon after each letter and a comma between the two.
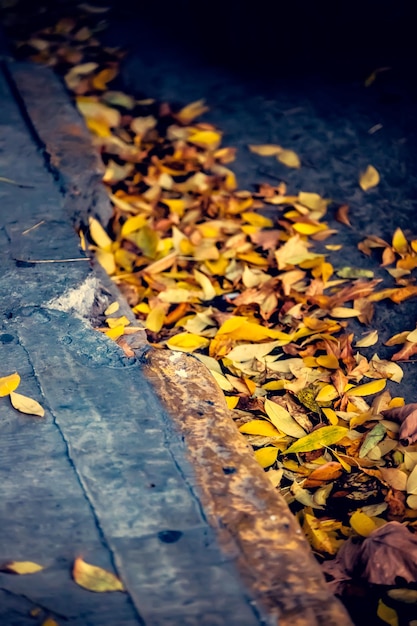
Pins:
x: 289, y: 158
x: 26, y: 405
x: 21, y: 567
x: 95, y: 578
x: 9, y: 384
x: 369, y: 178
x: 325, y: 436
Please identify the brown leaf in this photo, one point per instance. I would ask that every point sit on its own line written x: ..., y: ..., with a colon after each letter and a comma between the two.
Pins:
x: 342, y: 215
x: 407, y: 416
x: 409, y: 348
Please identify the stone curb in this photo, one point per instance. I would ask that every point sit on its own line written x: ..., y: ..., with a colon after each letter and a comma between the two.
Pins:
x: 252, y: 520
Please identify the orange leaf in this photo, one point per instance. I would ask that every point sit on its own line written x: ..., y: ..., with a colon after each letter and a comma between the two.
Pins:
x: 323, y: 474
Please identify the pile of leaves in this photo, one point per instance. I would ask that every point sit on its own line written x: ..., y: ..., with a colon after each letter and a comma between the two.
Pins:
x: 244, y: 280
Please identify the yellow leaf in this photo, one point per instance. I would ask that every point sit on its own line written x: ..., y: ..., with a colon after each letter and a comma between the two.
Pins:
x: 362, y: 524
x: 266, y: 456
x: 132, y: 224
x: 368, y: 388
x: 399, y: 242
x: 113, y: 322
x: 232, y: 402
x: 257, y: 220
x: 106, y: 260
x: 100, y: 80
x: 325, y: 436
x: 343, y: 312
x: 266, y: 149
x: 312, y: 201
x: 289, y: 158
x: 98, y: 112
x: 370, y: 339
x: 326, y: 394
x: 239, y: 329
x: 369, y: 178
x: 387, y: 614
x: 21, y: 567
x: 191, y: 111
x: 112, y: 308
x: 26, y: 405
x: 306, y: 228
x: 187, y: 342
x: 99, y: 235
x: 412, y: 336
x: 206, y: 285
x: 222, y: 381
x: 175, y: 205
x: 156, y: 318
x: 9, y: 384
x: 329, y: 361
x: 115, y: 333
x: 98, y: 128
x: 95, y: 578
x: 259, y: 427
x: 206, y: 139
x: 330, y: 414
x: 282, y: 420
x: 319, y: 538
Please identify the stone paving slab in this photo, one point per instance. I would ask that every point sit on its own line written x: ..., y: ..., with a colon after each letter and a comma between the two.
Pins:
x: 118, y: 471
x: 96, y: 476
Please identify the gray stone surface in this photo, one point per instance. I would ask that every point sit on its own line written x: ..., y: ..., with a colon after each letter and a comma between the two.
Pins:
x: 103, y: 475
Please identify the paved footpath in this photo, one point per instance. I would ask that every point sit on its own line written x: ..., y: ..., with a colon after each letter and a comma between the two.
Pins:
x: 131, y: 468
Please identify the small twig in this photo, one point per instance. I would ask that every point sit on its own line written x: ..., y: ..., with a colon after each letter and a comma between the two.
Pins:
x: 9, y: 181
x: 33, y: 261
x: 28, y: 230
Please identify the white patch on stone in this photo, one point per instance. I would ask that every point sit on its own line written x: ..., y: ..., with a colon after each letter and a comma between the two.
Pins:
x: 182, y: 373
x: 78, y: 301
x: 175, y: 355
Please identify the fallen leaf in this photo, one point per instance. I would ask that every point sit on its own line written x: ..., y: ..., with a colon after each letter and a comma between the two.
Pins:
x: 367, y: 389
x: 325, y: 436
x: 21, y: 567
x: 369, y: 178
x: 266, y: 456
x: 289, y: 158
x: 362, y: 523
x: 266, y: 149
x: 369, y: 339
x: 342, y: 215
x: 259, y: 427
x: 9, y: 384
x: 282, y: 420
x: 26, y: 405
x: 95, y: 578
